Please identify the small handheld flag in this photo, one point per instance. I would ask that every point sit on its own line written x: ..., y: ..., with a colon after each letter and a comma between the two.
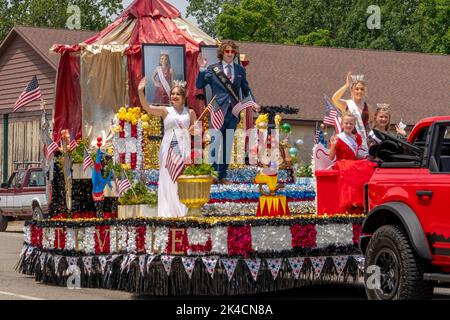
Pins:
x: 241, y: 105
x: 51, y: 147
x: 123, y: 184
x: 29, y: 94
x: 174, y: 162
x: 217, y: 115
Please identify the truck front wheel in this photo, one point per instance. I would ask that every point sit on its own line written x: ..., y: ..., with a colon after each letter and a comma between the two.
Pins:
x: 393, y: 270
x: 3, y: 223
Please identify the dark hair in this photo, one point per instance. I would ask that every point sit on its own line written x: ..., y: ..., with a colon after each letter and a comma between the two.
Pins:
x: 168, y: 60
x: 223, y: 45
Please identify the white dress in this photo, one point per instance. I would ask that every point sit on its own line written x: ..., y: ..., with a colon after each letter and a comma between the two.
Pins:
x: 169, y: 204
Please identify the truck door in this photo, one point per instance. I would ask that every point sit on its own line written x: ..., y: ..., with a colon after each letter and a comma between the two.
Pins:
x: 433, y: 196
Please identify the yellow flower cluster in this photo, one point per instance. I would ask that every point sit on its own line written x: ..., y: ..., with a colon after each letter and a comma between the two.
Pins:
x: 262, y: 121
x: 132, y: 115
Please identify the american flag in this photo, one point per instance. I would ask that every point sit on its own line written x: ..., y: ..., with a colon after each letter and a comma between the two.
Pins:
x: 51, y: 147
x: 123, y: 184
x: 87, y: 161
x: 174, y: 162
x: 73, y: 142
x: 31, y: 93
x: 217, y: 116
x: 241, y: 105
x: 332, y: 118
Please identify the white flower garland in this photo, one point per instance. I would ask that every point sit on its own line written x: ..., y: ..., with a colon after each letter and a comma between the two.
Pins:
x: 48, y: 238
x: 70, y: 239
x: 89, y: 240
x: 271, y: 238
x: 27, y: 234
x: 112, y: 239
x: 131, y: 242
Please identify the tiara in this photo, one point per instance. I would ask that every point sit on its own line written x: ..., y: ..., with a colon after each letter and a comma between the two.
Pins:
x: 382, y: 106
x: 357, y: 77
x: 164, y: 52
x: 179, y: 83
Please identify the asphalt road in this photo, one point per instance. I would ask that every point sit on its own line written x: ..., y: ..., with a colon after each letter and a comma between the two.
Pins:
x: 15, y: 286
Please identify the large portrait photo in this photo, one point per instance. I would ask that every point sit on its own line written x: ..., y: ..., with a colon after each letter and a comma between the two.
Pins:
x: 162, y: 65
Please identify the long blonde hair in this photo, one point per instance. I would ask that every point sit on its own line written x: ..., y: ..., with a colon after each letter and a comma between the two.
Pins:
x: 382, y: 109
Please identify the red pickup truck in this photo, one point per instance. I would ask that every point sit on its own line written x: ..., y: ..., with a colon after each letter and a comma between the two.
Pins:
x: 406, y: 234
x: 23, y: 196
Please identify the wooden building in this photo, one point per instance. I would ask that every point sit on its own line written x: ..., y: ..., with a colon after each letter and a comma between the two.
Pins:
x: 23, y: 54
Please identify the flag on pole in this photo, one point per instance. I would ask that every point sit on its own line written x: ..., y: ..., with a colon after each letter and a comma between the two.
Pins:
x: 332, y: 118
x: 87, y: 161
x: 51, y: 147
x: 123, y: 184
x: 317, y: 134
x: 30, y: 93
x: 174, y: 162
x: 73, y: 142
x: 241, y: 105
x: 217, y: 116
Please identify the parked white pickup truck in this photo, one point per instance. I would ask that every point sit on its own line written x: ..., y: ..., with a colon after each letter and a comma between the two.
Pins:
x: 23, y: 196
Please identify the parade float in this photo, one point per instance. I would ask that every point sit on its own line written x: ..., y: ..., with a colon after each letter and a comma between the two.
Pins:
x: 266, y: 231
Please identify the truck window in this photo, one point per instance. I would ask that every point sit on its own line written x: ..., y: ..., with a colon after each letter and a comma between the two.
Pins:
x: 441, y: 156
x: 37, y: 179
x: 18, y: 179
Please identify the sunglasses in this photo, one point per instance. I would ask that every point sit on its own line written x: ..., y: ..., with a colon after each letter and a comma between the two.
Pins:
x: 230, y: 51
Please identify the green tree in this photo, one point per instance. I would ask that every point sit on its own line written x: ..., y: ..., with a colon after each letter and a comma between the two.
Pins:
x: 434, y: 25
x: 94, y: 14
x: 251, y: 20
x: 206, y: 12
x: 315, y: 38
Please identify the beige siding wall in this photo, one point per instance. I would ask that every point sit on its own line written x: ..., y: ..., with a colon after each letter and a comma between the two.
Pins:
x: 18, y: 64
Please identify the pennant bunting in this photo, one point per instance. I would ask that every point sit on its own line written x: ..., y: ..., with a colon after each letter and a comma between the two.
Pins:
x: 142, y: 263
x: 103, y: 260
x: 167, y: 263
x: 229, y: 265
x: 42, y: 260
x: 296, y: 265
x: 72, y: 261
x: 274, y: 266
x: 318, y: 263
x: 149, y: 261
x: 29, y: 251
x: 130, y: 261
x: 340, y: 262
x: 87, y: 262
x: 189, y: 264
x: 253, y: 265
x: 210, y: 264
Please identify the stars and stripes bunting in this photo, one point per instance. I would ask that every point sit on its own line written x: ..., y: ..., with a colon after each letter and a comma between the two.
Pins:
x: 174, y: 162
x: 87, y: 161
x: 217, y: 116
x: 30, y: 93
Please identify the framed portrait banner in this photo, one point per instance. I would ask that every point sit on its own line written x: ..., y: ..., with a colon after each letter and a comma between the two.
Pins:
x: 210, y: 54
x: 162, y: 64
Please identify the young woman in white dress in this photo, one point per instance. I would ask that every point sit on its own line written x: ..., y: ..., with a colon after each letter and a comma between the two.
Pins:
x: 356, y: 105
x: 177, y: 116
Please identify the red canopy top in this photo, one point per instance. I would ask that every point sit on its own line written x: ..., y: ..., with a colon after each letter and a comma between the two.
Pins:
x: 151, y: 8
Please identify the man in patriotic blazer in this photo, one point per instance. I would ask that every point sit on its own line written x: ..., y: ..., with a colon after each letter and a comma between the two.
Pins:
x: 216, y: 75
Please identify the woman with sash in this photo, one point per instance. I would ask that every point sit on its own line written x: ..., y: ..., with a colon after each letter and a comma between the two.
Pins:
x: 356, y: 105
x: 162, y: 78
x: 179, y: 122
x: 351, y: 162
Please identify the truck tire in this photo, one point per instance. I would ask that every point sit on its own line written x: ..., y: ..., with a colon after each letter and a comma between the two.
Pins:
x: 398, y: 267
x: 3, y: 223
